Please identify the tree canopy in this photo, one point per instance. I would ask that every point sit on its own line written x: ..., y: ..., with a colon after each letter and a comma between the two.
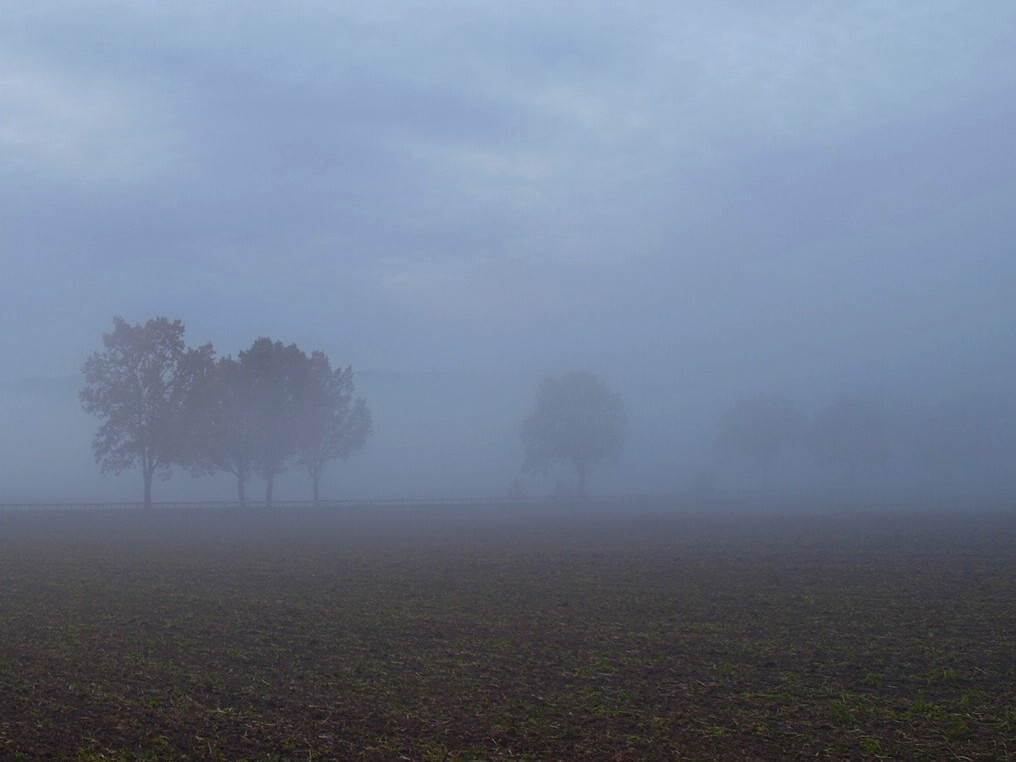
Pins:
x: 577, y: 420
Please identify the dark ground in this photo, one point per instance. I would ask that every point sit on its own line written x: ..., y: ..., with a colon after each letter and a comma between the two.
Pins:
x: 491, y: 634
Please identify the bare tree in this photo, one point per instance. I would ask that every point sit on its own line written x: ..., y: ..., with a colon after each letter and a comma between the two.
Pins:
x: 139, y: 385
x: 577, y: 420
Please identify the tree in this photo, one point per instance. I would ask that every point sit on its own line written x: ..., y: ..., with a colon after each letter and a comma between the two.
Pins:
x: 957, y: 439
x: 760, y: 429
x: 140, y: 385
x: 276, y: 374
x: 222, y: 425
x: 333, y: 425
x: 577, y: 420
x: 852, y: 432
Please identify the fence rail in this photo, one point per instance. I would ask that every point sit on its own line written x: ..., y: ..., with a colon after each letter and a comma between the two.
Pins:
x: 227, y: 505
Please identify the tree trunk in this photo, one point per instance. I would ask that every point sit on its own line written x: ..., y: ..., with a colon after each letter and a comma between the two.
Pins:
x: 269, y: 485
x: 148, y: 473
x: 241, y: 488
x: 316, y: 478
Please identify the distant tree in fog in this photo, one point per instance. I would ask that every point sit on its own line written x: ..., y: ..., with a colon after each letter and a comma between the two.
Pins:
x: 276, y: 374
x: 760, y: 429
x: 703, y: 483
x: 333, y: 425
x: 960, y: 437
x: 853, y: 432
x: 577, y: 420
x: 140, y: 385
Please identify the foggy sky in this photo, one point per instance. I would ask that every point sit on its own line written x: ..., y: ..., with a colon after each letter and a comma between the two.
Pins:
x: 694, y: 200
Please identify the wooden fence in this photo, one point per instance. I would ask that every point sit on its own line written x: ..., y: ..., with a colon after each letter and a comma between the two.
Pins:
x: 281, y: 505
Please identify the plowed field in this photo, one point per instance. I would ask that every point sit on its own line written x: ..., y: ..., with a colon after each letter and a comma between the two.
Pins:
x: 493, y: 634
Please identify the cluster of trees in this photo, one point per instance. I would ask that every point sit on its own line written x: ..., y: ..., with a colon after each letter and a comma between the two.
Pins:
x: 857, y: 433
x: 163, y: 404
x: 851, y: 433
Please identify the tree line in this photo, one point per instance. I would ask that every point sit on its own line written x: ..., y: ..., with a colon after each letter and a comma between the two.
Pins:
x: 849, y: 433
x: 274, y: 407
x: 861, y: 432
x: 164, y: 404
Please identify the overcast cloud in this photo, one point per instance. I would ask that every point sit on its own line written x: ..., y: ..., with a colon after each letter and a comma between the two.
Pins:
x: 694, y: 199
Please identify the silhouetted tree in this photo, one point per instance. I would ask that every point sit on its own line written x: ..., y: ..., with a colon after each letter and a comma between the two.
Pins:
x: 577, y: 420
x: 332, y: 425
x: 760, y: 429
x: 277, y: 375
x: 140, y: 385
x: 223, y: 426
x: 852, y: 432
